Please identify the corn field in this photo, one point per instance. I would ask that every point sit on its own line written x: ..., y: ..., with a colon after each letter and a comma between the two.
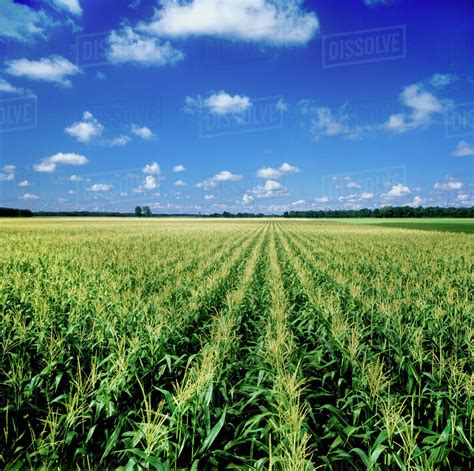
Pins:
x: 243, y: 344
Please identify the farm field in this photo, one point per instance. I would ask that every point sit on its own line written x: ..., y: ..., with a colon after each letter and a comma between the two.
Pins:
x: 431, y: 224
x: 239, y: 344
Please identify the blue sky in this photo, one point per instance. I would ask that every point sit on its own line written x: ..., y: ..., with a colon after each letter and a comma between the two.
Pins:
x: 239, y: 105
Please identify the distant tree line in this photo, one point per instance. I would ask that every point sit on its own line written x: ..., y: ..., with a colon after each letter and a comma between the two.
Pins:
x: 15, y: 213
x: 144, y: 211
x: 387, y: 212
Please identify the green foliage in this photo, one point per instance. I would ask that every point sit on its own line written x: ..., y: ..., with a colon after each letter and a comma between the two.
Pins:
x: 244, y: 344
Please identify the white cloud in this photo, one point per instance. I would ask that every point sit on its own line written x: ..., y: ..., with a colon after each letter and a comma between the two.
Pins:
x: 275, y: 23
x: 220, y: 103
x: 127, y: 46
x: 75, y: 178
x: 71, y: 6
x: 21, y: 23
x: 179, y: 168
x: 463, y: 149
x: 350, y: 183
x: 71, y: 192
x: 271, y: 189
x: 441, y: 80
x: 322, y: 199
x: 246, y: 199
x: 397, y: 123
x: 29, y: 197
x: 180, y: 183
x: 100, y: 187
x: 397, y: 191
x: 87, y: 129
x: 450, y: 183
x: 298, y: 203
x: 281, y: 106
x: 148, y: 184
x: 100, y: 75
x: 153, y: 169
x: 120, y: 141
x: 462, y: 196
x: 209, y: 197
x: 7, y: 177
x: 366, y: 195
x: 223, y: 176
x: 7, y: 87
x: 51, y: 69
x: 24, y: 183
x: 9, y: 168
x: 275, y: 173
x: 143, y: 132
x: 417, y: 201
x: 49, y: 164
x: 422, y: 104
x: 327, y: 123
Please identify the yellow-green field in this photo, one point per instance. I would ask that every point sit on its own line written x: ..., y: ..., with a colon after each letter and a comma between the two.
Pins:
x: 241, y: 344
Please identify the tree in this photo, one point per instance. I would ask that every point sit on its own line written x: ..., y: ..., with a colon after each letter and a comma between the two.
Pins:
x: 138, y: 212
x: 146, y: 211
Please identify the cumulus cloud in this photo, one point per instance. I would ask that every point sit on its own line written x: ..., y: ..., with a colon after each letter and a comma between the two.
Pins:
x: 417, y: 201
x: 100, y: 187
x: 149, y: 183
x: 321, y: 199
x: 179, y: 183
x: 441, y: 80
x: 271, y: 189
x: 71, y: 6
x: 449, y: 183
x: 247, y: 199
x: 54, y: 69
x: 20, y: 23
x: 419, y: 101
x: 265, y: 21
x: 397, y: 191
x: 143, y: 132
x: 463, y: 149
x: 329, y: 123
x: 276, y: 173
x: 223, y: 176
x: 75, y: 178
x: 87, y: 129
x: 24, y: 183
x: 128, y: 46
x: 152, y: 169
x: 119, y: 141
x: 7, y: 177
x: 49, y: 164
x: 220, y: 104
x: 7, y: 87
x: 422, y: 105
x: 209, y: 197
x: 179, y: 168
x: 29, y: 197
